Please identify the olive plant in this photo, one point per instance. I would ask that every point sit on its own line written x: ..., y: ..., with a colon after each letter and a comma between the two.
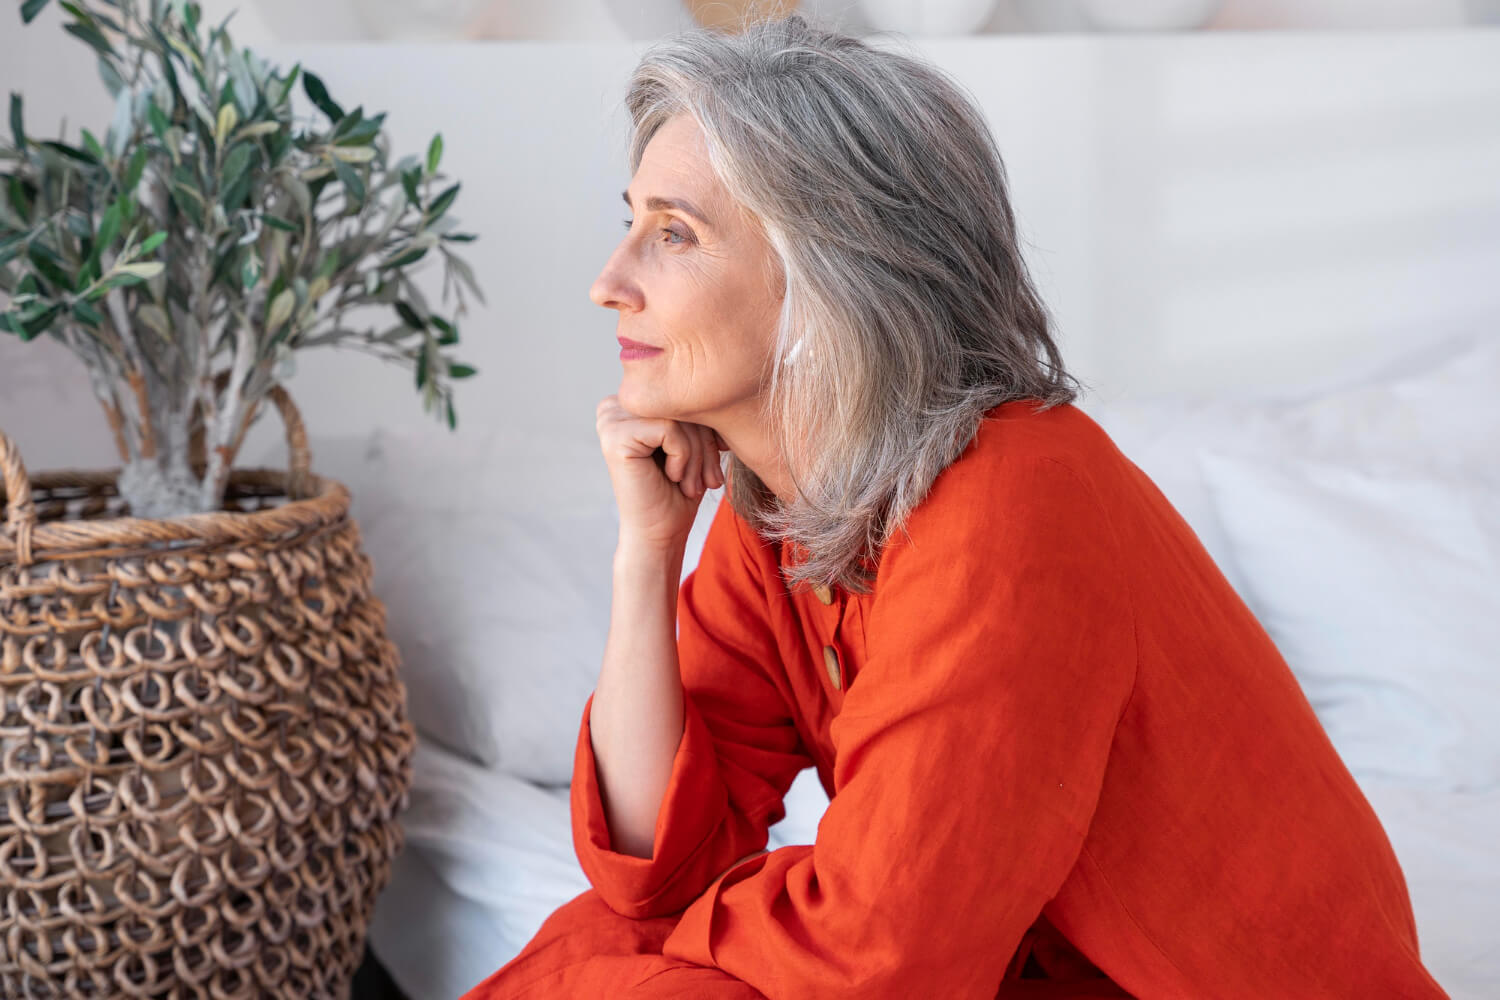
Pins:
x: 211, y: 231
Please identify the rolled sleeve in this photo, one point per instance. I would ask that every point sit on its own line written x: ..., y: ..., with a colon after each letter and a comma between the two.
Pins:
x: 739, y: 753
x: 970, y: 751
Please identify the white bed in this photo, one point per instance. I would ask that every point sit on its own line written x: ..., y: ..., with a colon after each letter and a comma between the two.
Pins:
x: 1361, y: 521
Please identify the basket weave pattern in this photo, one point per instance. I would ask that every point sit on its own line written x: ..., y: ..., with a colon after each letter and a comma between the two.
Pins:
x: 204, y: 745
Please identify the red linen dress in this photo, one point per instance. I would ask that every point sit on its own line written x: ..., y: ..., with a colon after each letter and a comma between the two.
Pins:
x: 1064, y: 760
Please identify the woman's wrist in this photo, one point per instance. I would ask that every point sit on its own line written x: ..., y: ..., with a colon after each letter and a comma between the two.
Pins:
x: 641, y: 557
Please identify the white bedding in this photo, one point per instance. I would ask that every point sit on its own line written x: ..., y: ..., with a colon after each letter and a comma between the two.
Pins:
x: 489, y: 856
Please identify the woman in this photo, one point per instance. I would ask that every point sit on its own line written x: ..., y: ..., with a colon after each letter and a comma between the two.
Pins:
x: 1063, y: 757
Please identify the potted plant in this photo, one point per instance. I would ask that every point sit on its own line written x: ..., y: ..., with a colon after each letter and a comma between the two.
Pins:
x: 210, y: 229
x: 204, y: 745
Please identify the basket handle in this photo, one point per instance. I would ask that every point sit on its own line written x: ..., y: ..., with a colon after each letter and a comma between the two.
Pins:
x: 20, y: 511
x: 299, y: 455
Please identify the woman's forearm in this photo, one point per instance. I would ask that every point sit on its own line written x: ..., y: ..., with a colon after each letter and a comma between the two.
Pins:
x: 637, y: 714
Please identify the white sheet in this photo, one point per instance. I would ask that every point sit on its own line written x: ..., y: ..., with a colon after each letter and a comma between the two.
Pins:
x: 490, y: 856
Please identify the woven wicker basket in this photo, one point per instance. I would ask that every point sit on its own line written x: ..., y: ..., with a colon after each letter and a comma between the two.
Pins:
x: 203, y: 741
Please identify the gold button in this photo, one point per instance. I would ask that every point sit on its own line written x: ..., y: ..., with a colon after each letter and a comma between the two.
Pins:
x: 831, y: 661
x: 824, y: 594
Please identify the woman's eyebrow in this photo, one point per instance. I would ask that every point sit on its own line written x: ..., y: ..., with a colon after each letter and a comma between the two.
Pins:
x: 655, y: 203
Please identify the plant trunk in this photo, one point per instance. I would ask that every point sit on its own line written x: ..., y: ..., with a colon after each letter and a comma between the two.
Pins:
x: 154, y: 431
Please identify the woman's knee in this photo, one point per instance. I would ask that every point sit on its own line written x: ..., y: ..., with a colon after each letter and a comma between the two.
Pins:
x: 581, y: 942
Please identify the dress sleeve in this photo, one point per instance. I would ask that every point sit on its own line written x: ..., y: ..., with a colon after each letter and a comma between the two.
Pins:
x: 969, y: 754
x: 740, y: 747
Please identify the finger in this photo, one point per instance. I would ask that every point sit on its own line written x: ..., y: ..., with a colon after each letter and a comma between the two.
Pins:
x: 692, y: 477
x: 675, y: 443
x: 713, y: 473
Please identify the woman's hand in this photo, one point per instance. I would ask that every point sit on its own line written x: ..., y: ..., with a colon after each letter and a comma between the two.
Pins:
x: 660, y: 470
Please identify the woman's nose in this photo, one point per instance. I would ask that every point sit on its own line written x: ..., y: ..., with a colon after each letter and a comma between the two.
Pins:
x: 614, y: 288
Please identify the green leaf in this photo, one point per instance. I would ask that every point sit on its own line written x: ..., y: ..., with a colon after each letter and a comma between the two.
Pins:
x: 157, y: 118
x: 352, y: 154
x: 34, y: 327
x: 362, y: 133
x: 20, y: 197
x: 459, y: 237
x: 441, y: 202
x: 257, y: 130
x: 110, y: 76
x: 109, y: 227
x: 71, y: 152
x: 409, y: 179
x: 327, y: 265
x: 92, y: 35
x: 189, y: 202
x: 17, y: 132
x: 155, y: 318
x: 113, y: 281
x: 49, y: 267
x: 152, y: 242
x: 448, y: 331
x: 144, y: 270
x: 409, y: 316
x: 350, y: 179
x: 276, y: 222
x: 280, y: 309
x: 348, y: 122
x: 228, y: 118
x: 137, y: 167
x: 87, y: 314
x: 312, y: 85
x: 465, y: 274
x: 285, y: 88
x: 434, y: 153
x: 460, y: 371
x: 422, y: 366
x: 408, y: 256
x: 31, y: 8
x: 237, y: 162
x: 234, y: 197
x: 249, y: 271
x: 452, y: 419
x: 236, y: 175
x: 91, y: 144
x: 97, y: 16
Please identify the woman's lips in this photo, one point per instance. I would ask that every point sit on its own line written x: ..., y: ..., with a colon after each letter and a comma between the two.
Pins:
x: 633, y: 350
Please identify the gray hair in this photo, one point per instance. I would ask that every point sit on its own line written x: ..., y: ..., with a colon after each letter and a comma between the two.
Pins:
x: 908, y: 311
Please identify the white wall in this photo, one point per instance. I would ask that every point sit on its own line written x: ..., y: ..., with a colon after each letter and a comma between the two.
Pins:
x: 1221, y: 211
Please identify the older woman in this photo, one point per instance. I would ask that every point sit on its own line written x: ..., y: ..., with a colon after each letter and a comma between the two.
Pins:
x: 1063, y: 757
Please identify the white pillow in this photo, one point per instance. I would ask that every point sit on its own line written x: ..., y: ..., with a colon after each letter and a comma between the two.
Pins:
x: 1382, y: 591
x: 1434, y: 407
x: 492, y: 554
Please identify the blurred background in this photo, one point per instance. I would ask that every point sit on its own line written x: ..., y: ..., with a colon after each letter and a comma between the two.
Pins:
x: 1320, y: 172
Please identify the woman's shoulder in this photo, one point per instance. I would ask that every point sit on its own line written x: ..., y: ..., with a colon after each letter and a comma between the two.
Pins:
x: 1020, y: 433
x: 1032, y: 487
x: 1064, y: 433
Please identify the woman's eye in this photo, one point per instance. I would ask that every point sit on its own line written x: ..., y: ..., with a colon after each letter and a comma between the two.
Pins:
x: 670, y: 232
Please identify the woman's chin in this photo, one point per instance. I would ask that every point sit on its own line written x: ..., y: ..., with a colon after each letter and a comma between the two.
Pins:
x: 641, y: 404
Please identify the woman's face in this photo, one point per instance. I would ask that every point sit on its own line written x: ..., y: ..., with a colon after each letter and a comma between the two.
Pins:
x: 695, y: 279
